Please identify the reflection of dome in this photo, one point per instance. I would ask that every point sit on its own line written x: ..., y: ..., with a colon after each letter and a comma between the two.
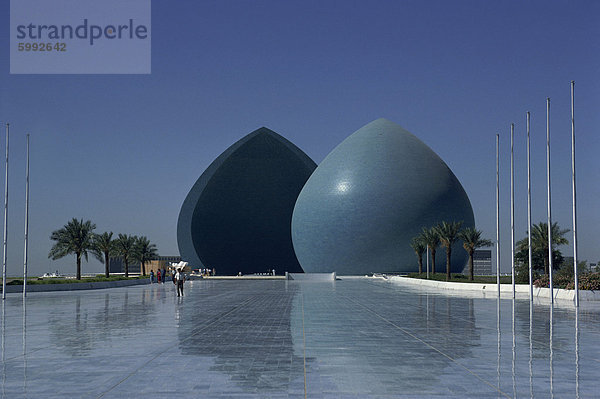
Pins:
x: 237, y: 216
x: 375, y: 191
x: 253, y: 347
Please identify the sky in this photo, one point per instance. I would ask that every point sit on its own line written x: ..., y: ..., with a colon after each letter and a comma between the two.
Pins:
x: 124, y: 150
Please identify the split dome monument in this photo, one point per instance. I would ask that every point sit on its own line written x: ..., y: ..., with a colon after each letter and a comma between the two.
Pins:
x: 264, y: 204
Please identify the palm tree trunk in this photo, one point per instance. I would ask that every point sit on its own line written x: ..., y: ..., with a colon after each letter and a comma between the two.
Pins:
x: 78, y: 266
x: 420, y: 263
x: 433, y: 261
x: 126, y: 267
x: 471, y: 265
x: 106, y: 265
x: 546, y: 263
x: 143, y: 268
x: 448, y: 254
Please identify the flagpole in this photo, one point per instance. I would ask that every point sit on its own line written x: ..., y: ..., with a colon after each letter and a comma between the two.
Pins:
x: 575, y: 265
x: 512, y: 207
x: 549, y: 199
x: 26, y: 221
x: 498, y: 213
x: 530, y: 250
x: 5, y: 219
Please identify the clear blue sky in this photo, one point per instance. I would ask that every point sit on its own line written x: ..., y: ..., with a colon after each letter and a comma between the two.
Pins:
x: 124, y: 150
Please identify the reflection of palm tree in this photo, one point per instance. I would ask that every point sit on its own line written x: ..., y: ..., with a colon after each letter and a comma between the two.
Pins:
x: 432, y: 240
x: 419, y: 246
x: 448, y: 233
x: 74, y: 238
x: 144, y: 252
x: 125, y: 247
x: 539, y: 241
x: 74, y: 332
x: 472, y: 240
x: 104, y: 247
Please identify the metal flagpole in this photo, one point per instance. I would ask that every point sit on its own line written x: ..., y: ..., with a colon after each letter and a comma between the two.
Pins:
x: 498, y: 214
x: 5, y: 219
x: 575, y: 266
x: 549, y: 198
x: 26, y: 221
x: 529, y: 214
x: 512, y: 207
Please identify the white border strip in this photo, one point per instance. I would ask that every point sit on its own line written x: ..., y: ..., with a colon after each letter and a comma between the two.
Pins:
x: 520, y: 289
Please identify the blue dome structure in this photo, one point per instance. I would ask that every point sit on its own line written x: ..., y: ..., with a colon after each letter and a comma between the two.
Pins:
x: 359, y: 210
x: 237, y: 216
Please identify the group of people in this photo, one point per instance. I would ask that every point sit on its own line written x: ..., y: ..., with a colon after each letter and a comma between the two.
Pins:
x: 208, y: 272
x: 178, y: 277
x: 161, y: 275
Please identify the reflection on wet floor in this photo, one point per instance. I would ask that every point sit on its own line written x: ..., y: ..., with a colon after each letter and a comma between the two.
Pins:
x: 354, y: 337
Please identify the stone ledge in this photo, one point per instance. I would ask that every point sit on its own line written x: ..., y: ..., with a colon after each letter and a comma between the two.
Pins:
x: 76, y: 286
x: 521, y: 290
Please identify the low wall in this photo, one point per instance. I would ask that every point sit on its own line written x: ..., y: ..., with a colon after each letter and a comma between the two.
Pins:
x: 311, y: 276
x: 521, y: 290
x: 76, y: 286
x: 248, y: 277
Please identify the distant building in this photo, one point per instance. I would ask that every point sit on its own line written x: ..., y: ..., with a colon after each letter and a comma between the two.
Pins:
x: 482, y: 263
x: 116, y: 264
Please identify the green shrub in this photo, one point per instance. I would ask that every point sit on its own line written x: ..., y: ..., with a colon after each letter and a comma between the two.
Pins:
x: 461, y: 278
x: 54, y: 280
x: 587, y: 281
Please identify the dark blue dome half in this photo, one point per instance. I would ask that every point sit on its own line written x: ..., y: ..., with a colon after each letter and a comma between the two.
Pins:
x: 237, y: 216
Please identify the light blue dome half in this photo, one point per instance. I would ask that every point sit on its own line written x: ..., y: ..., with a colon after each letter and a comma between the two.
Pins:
x: 370, y: 196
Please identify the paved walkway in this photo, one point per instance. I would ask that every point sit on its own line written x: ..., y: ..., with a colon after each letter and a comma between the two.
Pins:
x: 354, y: 338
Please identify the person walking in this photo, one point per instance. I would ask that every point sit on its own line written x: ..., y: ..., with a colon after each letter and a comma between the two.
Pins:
x: 164, y: 275
x: 151, y: 276
x: 158, y: 276
x: 180, y: 278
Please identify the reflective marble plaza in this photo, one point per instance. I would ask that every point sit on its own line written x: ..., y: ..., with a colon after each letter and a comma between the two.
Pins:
x: 352, y: 338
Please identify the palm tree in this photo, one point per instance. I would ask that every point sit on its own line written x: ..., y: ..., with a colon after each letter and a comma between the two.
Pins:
x: 472, y: 240
x: 539, y: 241
x: 104, y: 247
x: 432, y: 240
x: 76, y: 238
x: 419, y: 246
x: 448, y: 233
x: 125, y: 248
x: 144, y: 251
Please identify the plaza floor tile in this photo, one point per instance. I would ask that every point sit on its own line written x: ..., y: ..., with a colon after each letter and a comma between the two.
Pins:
x: 352, y: 338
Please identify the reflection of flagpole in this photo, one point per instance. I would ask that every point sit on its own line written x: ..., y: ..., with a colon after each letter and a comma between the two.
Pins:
x: 512, y: 207
x: 514, y: 351
x: 24, y: 345
x: 3, y: 348
x: 499, y: 338
x: 552, y: 350
x: 529, y: 214
x: 531, y: 349
x: 575, y: 266
x: 497, y: 214
x: 26, y: 221
x: 5, y: 219
x: 549, y: 200
x: 576, y: 352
